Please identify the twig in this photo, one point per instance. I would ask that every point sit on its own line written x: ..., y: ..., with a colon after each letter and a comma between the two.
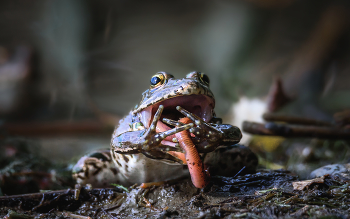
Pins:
x: 286, y: 130
x: 272, y: 117
x: 40, y: 204
x: 342, y: 118
x: 71, y: 215
x: 239, y: 172
x: 55, y: 128
x: 32, y: 173
x: 44, y: 202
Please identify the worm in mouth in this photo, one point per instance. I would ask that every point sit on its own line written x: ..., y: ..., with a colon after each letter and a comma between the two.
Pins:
x: 198, y: 175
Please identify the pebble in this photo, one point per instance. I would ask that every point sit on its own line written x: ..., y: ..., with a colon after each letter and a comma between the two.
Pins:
x: 330, y: 169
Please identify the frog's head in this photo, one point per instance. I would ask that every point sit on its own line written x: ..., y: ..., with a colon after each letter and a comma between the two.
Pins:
x: 191, y: 93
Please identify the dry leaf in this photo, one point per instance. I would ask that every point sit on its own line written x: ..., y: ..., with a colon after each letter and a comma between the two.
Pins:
x: 301, y: 185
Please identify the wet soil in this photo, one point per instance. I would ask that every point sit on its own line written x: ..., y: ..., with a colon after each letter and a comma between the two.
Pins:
x: 266, y: 194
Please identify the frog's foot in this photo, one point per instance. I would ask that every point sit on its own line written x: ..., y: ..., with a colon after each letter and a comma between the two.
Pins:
x: 177, y: 124
x: 150, y: 184
x: 202, y: 128
x: 152, y: 141
x: 206, y: 136
x: 147, y: 204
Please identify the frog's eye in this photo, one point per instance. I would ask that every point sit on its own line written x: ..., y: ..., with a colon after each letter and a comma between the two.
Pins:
x: 157, y: 80
x: 204, y: 78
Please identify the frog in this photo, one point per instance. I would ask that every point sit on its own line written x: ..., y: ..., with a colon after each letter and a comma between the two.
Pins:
x: 144, y: 147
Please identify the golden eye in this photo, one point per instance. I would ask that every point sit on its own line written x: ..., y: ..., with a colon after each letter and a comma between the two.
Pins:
x: 157, y: 80
x: 204, y: 78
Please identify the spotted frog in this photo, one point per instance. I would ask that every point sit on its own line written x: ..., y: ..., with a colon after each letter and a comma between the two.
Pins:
x: 146, y: 146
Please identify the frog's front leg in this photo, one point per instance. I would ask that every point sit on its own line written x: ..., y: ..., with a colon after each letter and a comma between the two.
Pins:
x: 148, y: 141
x: 208, y: 136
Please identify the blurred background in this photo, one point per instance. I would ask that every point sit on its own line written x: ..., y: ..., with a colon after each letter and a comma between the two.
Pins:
x: 69, y: 70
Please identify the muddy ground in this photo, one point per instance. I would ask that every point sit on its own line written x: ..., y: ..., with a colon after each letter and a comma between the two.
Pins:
x: 266, y: 194
x: 33, y: 186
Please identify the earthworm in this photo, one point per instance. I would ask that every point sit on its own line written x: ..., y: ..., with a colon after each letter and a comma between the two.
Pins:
x: 179, y: 155
x: 195, y: 166
x: 191, y: 157
x: 161, y: 127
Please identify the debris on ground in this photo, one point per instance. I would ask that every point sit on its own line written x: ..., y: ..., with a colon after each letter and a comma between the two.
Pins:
x: 265, y: 194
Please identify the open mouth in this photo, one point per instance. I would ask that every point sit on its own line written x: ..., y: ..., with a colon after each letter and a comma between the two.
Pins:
x: 200, y: 105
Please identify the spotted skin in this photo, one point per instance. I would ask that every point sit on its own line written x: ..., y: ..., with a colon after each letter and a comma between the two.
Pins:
x: 97, y: 169
x: 224, y: 161
x: 127, y: 169
x: 141, y: 151
x: 174, y: 88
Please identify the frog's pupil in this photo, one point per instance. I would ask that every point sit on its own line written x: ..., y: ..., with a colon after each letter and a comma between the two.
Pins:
x: 155, y: 80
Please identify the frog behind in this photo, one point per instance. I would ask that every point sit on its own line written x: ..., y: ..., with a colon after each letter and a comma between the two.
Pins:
x: 144, y: 147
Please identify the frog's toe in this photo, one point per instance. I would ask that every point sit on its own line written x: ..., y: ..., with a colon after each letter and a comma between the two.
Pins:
x: 172, y: 122
x: 196, y: 119
x: 206, y: 131
x: 153, y: 125
x: 201, y: 128
x: 156, y: 117
x: 154, y: 142
x: 175, y: 130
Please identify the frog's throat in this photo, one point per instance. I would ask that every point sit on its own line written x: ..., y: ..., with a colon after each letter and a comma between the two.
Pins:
x: 200, y: 105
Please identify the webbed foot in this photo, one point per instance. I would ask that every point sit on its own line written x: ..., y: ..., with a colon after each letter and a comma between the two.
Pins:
x: 207, y: 136
x: 151, y: 140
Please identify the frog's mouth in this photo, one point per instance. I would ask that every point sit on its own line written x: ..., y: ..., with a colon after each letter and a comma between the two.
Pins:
x: 200, y: 105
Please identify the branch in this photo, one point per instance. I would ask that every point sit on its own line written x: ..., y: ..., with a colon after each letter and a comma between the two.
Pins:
x: 61, y: 199
x: 286, y: 130
x: 272, y: 117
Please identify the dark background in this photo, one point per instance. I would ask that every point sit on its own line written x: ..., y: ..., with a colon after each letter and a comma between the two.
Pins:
x: 74, y: 61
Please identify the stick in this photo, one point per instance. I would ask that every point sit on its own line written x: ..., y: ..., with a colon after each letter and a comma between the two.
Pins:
x: 44, y: 202
x: 286, y: 130
x: 272, y: 117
